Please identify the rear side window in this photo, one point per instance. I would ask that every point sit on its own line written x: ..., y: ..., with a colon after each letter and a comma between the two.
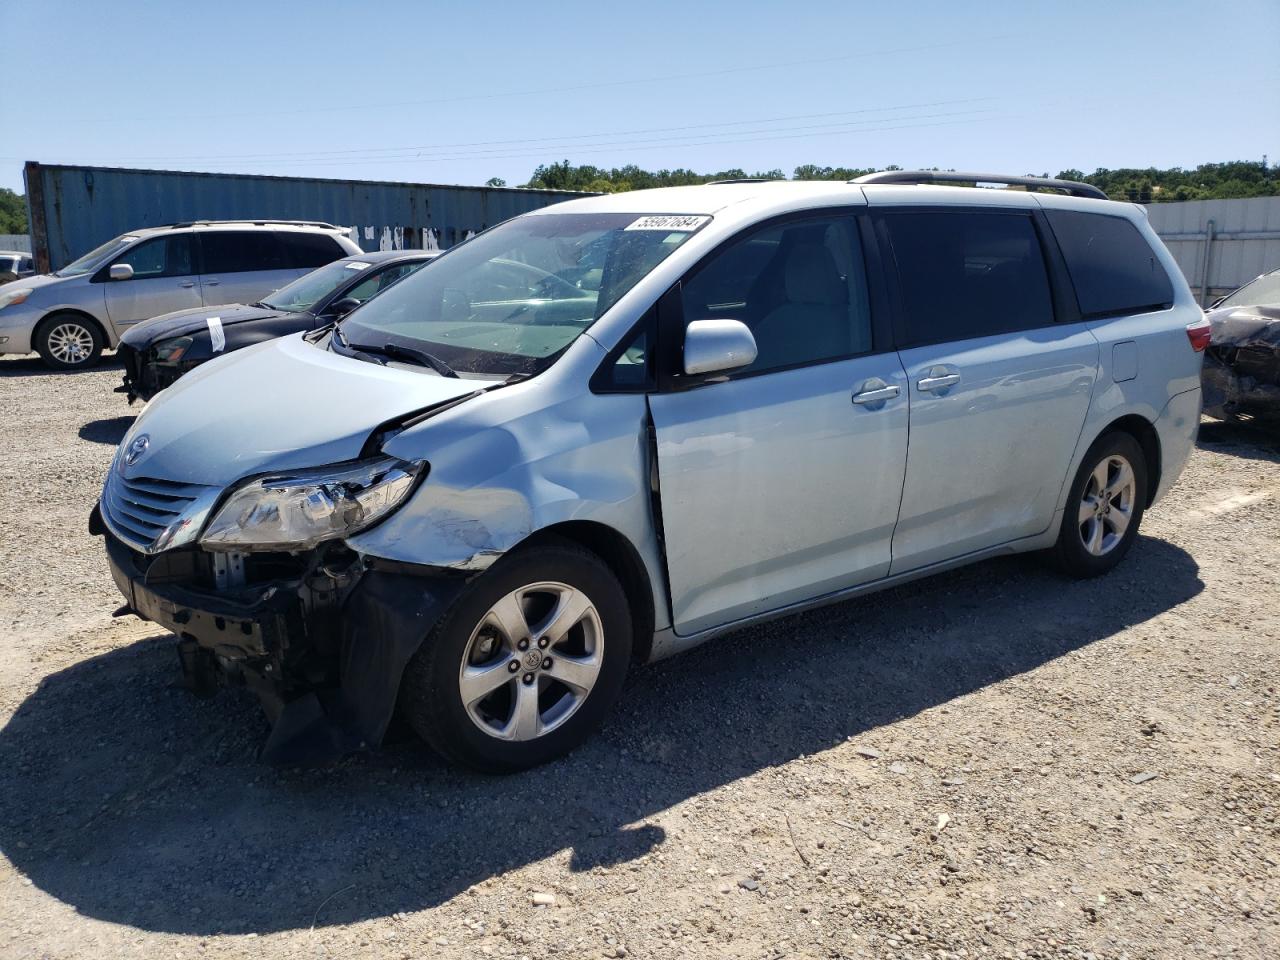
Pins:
x: 310, y: 250
x: 1112, y: 267
x: 236, y: 251
x: 968, y: 273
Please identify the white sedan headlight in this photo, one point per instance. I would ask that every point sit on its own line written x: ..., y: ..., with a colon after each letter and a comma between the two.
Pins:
x: 296, y: 511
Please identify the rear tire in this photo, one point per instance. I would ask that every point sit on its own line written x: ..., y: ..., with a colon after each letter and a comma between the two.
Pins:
x: 1104, y: 507
x: 526, y: 663
x: 68, y: 341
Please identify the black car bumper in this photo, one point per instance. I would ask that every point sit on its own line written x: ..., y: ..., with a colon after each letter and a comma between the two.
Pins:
x: 144, y: 375
x: 324, y: 645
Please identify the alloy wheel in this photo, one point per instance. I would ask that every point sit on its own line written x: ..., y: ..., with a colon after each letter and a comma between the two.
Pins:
x: 71, y: 343
x: 1106, y: 507
x: 532, y: 661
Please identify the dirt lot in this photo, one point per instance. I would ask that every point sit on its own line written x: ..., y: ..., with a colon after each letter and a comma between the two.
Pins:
x: 991, y: 763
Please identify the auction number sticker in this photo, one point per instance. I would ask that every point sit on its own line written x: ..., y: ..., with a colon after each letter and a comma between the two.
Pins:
x: 684, y: 223
x: 217, y: 338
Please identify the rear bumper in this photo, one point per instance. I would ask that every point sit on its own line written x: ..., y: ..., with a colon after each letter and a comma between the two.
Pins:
x: 1177, y: 427
x: 324, y: 650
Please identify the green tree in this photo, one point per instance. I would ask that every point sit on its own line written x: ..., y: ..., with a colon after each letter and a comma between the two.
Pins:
x: 13, y: 212
x: 1237, y: 178
x: 495, y: 182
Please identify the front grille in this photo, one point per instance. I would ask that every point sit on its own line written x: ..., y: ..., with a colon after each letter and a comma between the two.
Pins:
x: 140, y: 509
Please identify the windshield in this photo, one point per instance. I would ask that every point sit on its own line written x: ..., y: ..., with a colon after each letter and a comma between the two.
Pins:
x: 305, y: 292
x: 93, y: 259
x: 1266, y: 289
x: 511, y: 300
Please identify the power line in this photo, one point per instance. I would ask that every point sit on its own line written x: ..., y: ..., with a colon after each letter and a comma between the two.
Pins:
x: 549, y: 142
x: 651, y: 79
x: 665, y: 146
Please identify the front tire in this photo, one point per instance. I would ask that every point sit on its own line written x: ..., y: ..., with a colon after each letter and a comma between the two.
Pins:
x: 67, y: 341
x: 525, y: 665
x: 1104, y: 507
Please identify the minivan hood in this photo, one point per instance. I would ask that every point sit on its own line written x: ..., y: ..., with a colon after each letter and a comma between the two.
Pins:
x: 41, y: 280
x: 278, y: 405
x: 142, y: 335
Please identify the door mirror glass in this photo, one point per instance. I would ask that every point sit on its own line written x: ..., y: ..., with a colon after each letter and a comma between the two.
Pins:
x: 343, y: 306
x: 717, y: 346
x: 121, y: 271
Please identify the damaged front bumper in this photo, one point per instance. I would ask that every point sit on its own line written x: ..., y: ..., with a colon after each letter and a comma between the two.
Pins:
x: 145, y: 375
x: 322, y: 637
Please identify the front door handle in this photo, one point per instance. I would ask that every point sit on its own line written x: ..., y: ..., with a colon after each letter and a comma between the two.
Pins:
x: 876, y: 390
x: 209, y: 283
x: 188, y: 285
x: 937, y: 379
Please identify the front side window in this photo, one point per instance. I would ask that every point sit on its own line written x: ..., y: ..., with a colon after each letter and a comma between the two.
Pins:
x: 1264, y: 290
x: 1112, y: 267
x: 367, y: 287
x: 168, y: 256
x: 240, y: 251
x: 308, y: 290
x: 513, y: 298
x: 800, y: 287
x: 968, y: 273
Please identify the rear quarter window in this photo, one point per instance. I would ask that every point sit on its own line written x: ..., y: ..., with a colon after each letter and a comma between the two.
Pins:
x: 310, y: 250
x: 1112, y: 267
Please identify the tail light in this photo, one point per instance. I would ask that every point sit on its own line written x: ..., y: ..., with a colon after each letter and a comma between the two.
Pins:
x: 1199, y: 333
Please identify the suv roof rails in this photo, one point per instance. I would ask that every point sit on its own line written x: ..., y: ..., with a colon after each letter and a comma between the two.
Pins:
x: 255, y: 222
x: 713, y: 183
x: 1072, y: 187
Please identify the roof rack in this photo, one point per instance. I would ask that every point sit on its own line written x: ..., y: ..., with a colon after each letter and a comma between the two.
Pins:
x: 1072, y: 187
x: 713, y: 183
x: 256, y: 223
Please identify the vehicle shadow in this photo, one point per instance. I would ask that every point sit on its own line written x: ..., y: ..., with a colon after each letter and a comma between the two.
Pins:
x: 136, y: 804
x: 110, y: 430
x: 1251, y: 440
x: 33, y: 366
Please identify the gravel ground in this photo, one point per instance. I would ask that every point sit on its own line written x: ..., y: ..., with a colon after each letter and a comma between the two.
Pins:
x: 994, y: 762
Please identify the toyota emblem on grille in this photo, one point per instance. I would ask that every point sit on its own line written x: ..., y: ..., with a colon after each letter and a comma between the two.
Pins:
x: 136, y: 450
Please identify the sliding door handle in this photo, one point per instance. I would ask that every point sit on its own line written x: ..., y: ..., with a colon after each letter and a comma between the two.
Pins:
x: 876, y: 390
x: 938, y: 380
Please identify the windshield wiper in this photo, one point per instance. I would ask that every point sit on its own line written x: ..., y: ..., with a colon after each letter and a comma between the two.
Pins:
x: 396, y: 352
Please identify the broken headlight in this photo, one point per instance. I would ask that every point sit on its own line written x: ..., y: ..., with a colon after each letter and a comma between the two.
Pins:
x: 171, y: 351
x: 298, y: 510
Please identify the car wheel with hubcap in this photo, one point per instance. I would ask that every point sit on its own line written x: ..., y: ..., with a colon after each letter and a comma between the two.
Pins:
x: 1104, y: 508
x: 66, y: 341
x: 525, y: 664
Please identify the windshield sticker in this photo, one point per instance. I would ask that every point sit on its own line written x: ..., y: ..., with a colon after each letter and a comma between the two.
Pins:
x: 686, y: 223
x: 216, y: 336
x: 358, y: 265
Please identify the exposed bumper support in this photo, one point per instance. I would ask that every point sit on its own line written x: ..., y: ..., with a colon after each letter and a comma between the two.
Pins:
x: 325, y: 664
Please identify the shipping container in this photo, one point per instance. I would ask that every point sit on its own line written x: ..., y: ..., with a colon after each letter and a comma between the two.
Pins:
x: 73, y: 209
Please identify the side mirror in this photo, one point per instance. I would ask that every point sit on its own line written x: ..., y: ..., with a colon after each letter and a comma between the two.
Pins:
x: 343, y: 307
x: 716, y: 346
x: 120, y: 271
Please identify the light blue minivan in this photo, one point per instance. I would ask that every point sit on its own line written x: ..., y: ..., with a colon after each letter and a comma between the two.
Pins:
x: 608, y: 430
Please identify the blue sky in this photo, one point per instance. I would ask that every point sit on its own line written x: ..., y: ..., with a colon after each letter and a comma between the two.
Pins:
x: 460, y: 92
